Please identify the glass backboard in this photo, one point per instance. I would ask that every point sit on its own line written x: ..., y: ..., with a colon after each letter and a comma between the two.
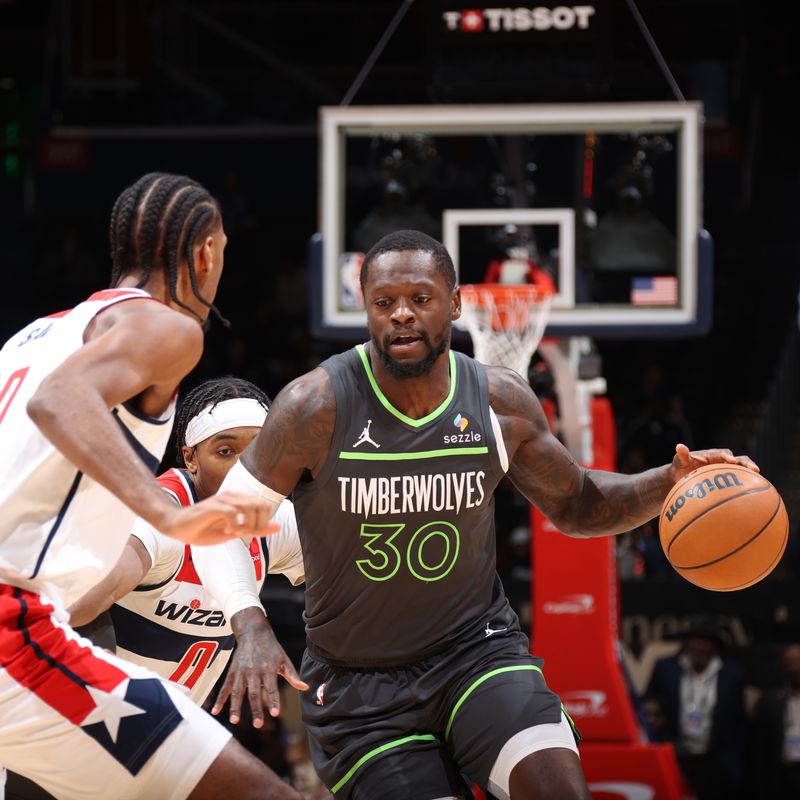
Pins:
x: 602, y: 200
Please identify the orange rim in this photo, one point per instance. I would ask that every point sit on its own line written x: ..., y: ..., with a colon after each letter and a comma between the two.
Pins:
x: 502, y: 291
x: 509, y: 304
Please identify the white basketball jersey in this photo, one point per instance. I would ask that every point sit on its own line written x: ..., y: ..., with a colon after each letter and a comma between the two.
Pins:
x: 60, y: 531
x: 175, y: 627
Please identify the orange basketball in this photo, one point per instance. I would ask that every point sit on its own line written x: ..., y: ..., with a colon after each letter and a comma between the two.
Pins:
x: 723, y: 527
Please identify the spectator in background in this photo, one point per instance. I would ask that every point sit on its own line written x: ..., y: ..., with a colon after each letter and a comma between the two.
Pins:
x: 655, y: 718
x: 703, y: 700
x: 644, y: 441
x: 776, y: 728
x: 639, y: 552
x: 650, y: 436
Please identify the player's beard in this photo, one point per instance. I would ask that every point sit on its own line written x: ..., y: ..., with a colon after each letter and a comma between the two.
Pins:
x: 414, y: 369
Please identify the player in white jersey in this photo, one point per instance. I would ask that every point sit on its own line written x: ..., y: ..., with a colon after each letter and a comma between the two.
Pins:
x: 86, y: 404
x: 163, y: 616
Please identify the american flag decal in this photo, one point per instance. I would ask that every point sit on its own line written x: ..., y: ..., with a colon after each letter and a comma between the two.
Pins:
x: 654, y: 291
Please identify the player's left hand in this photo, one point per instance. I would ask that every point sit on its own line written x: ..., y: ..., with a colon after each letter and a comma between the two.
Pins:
x: 686, y: 460
x: 254, y: 669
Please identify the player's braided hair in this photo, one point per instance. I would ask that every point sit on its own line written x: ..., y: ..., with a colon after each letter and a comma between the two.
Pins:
x: 155, y: 224
x: 209, y: 393
x: 412, y: 240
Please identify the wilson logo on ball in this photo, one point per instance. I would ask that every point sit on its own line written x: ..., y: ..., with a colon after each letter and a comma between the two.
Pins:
x: 699, y: 490
x: 731, y: 535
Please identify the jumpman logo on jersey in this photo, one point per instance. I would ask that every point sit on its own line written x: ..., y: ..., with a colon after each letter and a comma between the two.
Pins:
x: 489, y: 630
x: 365, y: 437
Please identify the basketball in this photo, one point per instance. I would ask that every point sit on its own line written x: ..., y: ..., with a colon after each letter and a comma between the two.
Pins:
x: 723, y: 527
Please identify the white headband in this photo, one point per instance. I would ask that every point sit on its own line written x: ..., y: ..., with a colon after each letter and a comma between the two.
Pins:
x: 237, y: 413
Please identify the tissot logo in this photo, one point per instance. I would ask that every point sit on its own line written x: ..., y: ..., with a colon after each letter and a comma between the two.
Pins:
x: 627, y: 790
x: 502, y: 20
x: 585, y: 703
x: 472, y: 20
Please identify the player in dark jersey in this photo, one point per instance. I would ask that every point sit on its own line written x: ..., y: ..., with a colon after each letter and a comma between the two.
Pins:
x: 420, y: 676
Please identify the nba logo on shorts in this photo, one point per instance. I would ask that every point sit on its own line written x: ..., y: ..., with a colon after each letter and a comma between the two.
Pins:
x: 350, y: 297
x: 320, y: 698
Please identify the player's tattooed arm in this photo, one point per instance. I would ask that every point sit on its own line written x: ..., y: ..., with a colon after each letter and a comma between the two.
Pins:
x: 296, y: 437
x: 615, y: 503
x: 578, y: 501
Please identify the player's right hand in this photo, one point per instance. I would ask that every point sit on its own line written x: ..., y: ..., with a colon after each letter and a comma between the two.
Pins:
x: 686, y: 460
x: 219, y: 517
x: 253, y: 672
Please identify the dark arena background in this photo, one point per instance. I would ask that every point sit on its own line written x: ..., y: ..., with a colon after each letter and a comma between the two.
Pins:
x: 94, y: 93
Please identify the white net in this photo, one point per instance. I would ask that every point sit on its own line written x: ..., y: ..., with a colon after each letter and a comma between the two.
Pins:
x: 506, y: 322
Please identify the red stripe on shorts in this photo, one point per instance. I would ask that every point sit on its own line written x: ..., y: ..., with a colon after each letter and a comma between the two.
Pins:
x: 37, y: 653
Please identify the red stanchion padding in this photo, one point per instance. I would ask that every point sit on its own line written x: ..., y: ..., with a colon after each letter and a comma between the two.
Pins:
x: 575, y: 628
x: 604, y: 434
x: 632, y: 772
x: 576, y: 611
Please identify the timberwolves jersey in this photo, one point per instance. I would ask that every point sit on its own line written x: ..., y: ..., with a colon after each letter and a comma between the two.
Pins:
x: 175, y: 627
x: 60, y: 531
x: 398, y: 527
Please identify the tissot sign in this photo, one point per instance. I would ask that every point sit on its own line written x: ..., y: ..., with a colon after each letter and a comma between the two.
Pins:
x: 518, y: 19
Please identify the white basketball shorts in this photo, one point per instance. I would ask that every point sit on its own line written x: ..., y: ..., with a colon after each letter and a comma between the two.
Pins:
x: 83, y: 723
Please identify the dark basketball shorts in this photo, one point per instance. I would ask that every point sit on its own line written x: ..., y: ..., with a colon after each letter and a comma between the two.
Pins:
x: 425, y: 731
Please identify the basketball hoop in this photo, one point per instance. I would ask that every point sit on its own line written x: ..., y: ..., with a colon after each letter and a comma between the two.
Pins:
x: 505, y: 321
